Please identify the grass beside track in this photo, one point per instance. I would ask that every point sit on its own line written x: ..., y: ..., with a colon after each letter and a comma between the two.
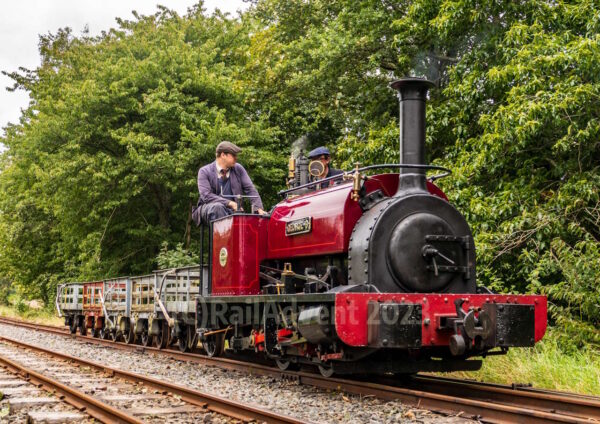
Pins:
x: 544, y: 366
x: 37, y: 316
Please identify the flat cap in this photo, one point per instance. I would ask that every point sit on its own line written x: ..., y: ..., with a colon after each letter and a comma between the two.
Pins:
x: 321, y: 150
x: 228, y: 147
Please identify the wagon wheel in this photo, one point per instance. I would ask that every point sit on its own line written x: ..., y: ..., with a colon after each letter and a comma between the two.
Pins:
x: 188, y: 340
x: 192, y: 338
x: 73, y: 326
x: 326, y: 370
x: 213, y: 345
x: 129, y: 335
x: 93, y: 325
x: 162, y: 338
x: 182, y: 340
x: 82, y: 328
x: 146, y: 338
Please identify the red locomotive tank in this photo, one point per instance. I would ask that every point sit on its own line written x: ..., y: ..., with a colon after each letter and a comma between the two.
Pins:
x: 321, y: 222
x: 239, y: 246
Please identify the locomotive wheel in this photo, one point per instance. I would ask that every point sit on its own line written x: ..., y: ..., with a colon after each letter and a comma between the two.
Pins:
x: 326, y: 370
x: 146, y: 339
x: 129, y: 336
x: 213, y: 345
x: 162, y: 338
x: 286, y: 365
x: 114, y: 335
x: 82, y: 329
x: 95, y: 333
x: 73, y: 327
x: 104, y: 333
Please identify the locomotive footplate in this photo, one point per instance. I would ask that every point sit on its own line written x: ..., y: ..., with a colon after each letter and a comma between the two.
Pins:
x: 432, y: 320
x: 394, y: 325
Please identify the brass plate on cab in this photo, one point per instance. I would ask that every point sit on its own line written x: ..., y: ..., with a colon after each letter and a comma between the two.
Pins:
x: 299, y: 226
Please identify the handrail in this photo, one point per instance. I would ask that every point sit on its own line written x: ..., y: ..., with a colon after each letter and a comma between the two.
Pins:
x: 367, y: 168
x: 58, y: 295
x: 104, y: 293
x: 162, y: 307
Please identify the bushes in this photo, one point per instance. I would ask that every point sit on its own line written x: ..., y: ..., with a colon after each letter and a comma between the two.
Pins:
x: 5, y: 291
x: 174, y: 258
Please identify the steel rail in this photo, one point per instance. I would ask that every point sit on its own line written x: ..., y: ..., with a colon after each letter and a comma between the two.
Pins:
x: 80, y: 400
x: 583, y: 406
x: 237, y: 410
x: 51, y: 328
x: 491, y: 402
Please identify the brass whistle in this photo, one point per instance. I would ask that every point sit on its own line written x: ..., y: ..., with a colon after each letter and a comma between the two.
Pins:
x: 356, y: 184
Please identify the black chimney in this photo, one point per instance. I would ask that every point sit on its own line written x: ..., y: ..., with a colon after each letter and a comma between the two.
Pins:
x: 412, y: 93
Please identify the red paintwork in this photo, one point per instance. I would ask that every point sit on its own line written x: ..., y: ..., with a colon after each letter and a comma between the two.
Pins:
x: 388, y: 183
x: 334, y: 215
x: 436, y: 191
x: 245, y: 238
x: 333, y: 218
x: 351, y: 312
x: 284, y: 334
x: 259, y: 341
x: 92, y: 306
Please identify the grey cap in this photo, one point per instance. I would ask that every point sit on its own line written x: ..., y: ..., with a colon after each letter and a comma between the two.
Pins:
x: 321, y: 150
x: 227, y: 147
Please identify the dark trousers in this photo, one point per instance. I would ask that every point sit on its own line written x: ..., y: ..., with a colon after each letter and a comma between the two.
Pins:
x: 209, y: 212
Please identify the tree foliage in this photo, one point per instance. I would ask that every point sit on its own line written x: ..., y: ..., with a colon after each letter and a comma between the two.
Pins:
x: 102, y: 168
x: 100, y: 171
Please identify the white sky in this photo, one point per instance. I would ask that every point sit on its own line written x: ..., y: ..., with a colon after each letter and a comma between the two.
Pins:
x: 22, y: 21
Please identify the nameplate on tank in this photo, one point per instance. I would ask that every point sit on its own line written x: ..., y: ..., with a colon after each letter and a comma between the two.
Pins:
x: 298, y: 226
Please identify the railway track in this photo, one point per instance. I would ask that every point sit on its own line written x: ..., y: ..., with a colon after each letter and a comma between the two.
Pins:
x: 27, y: 400
x: 484, y: 401
x: 112, y: 395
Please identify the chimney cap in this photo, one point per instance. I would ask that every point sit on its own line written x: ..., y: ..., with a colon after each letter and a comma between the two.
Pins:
x: 411, y: 81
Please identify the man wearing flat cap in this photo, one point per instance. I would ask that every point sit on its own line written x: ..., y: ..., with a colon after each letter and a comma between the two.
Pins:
x: 322, y: 154
x: 219, y: 182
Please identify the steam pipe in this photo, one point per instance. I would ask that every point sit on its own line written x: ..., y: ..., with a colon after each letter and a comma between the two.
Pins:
x: 412, y: 93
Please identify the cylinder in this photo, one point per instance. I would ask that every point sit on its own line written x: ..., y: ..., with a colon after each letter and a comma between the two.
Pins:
x: 412, y: 93
x: 315, y: 325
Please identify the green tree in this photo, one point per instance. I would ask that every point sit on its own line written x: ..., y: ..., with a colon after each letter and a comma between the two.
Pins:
x: 102, y: 168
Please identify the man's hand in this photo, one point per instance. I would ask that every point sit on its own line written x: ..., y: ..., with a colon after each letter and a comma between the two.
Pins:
x: 232, y: 205
x: 261, y: 212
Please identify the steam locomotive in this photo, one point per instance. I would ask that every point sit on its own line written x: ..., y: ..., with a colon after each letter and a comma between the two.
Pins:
x: 357, y: 273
